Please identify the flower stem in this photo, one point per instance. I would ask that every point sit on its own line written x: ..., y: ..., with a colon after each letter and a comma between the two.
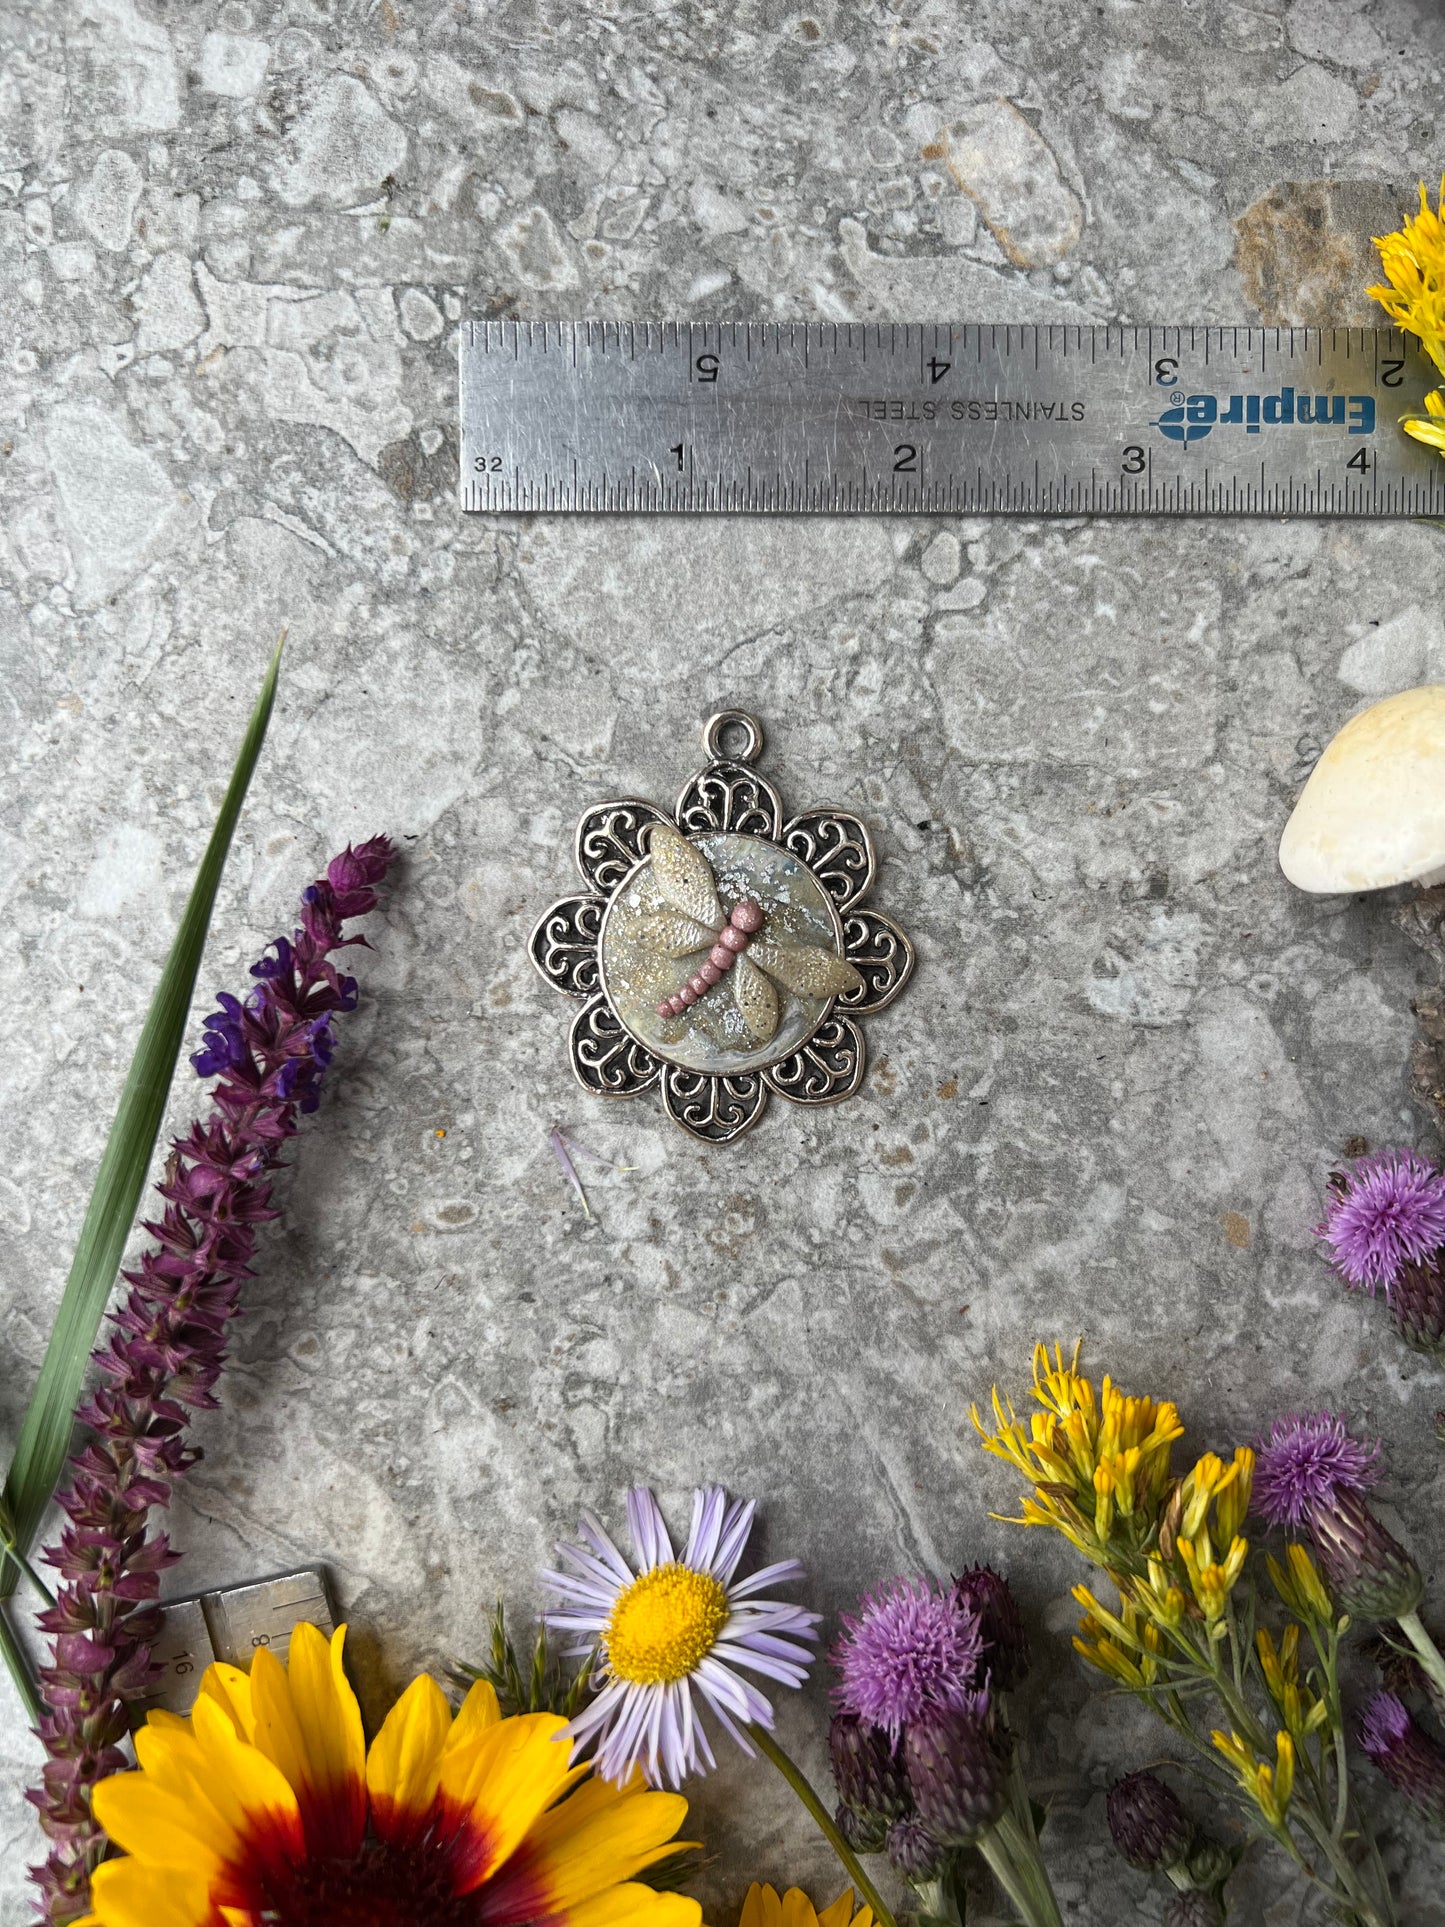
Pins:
x: 1426, y: 1651
x: 13, y: 1551
x: 1015, y: 1863
x: 794, y: 1777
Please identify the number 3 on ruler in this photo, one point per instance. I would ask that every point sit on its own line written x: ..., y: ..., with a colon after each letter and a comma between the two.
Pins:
x: 1133, y: 463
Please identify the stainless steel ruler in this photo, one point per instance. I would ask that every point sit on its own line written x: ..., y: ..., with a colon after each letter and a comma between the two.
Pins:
x: 936, y: 418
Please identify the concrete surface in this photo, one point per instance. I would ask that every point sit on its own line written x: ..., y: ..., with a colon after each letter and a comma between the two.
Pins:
x: 235, y: 244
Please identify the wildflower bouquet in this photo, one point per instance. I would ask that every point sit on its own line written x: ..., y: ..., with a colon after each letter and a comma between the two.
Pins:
x: 1258, y: 1703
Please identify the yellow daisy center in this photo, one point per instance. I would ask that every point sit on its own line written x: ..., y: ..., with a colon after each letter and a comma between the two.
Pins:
x: 663, y: 1624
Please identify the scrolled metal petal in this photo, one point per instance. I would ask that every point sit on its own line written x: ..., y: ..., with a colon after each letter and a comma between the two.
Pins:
x: 714, y: 1109
x: 563, y: 945
x: 606, y: 1060
x: 828, y: 1068
x: 730, y: 796
x: 837, y: 848
x: 610, y: 838
x: 882, y: 956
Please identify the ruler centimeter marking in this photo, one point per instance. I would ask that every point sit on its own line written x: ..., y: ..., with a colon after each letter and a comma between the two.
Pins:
x: 848, y: 418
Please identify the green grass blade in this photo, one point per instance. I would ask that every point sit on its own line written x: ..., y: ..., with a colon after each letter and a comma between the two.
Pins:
x: 45, y: 1432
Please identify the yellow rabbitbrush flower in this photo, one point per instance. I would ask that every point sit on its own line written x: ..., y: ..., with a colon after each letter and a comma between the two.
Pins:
x: 1270, y: 1787
x: 1301, y: 1712
x: 1094, y: 1461
x: 1212, y: 1580
x: 265, y: 1809
x: 1428, y: 428
x: 1414, y: 264
x: 1225, y: 1488
x: 763, y: 1908
x: 1300, y: 1587
x: 1125, y: 1645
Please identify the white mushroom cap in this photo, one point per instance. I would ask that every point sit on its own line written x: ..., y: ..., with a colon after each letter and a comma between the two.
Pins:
x: 1373, y: 810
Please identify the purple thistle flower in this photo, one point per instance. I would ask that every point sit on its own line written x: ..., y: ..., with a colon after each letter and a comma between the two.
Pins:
x: 1405, y: 1753
x: 1387, y: 1213
x: 909, y: 1650
x: 1306, y: 1463
x: 1311, y: 1472
x: 165, y: 1353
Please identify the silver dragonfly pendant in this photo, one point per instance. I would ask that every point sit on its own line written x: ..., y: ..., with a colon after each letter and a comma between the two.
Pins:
x: 722, y: 953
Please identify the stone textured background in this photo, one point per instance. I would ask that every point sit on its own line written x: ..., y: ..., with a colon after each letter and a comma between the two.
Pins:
x: 235, y: 244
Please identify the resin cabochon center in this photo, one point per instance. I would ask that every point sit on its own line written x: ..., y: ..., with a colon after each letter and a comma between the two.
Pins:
x: 637, y: 973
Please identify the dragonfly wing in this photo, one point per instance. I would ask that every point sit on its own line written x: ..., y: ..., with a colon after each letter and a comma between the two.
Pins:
x: 756, y: 1000
x: 678, y: 935
x: 684, y: 875
x: 806, y: 969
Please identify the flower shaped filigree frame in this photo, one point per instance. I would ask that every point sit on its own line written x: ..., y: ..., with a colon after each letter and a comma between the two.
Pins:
x: 727, y: 795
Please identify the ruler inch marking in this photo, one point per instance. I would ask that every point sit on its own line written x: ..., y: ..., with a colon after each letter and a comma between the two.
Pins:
x: 850, y: 418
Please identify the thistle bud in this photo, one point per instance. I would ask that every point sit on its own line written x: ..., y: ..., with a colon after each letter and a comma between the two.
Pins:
x: 984, y: 1592
x: 1196, y: 1909
x: 914, y: 1852
x: 1417, y: 1305
x: 1406, y: 1755
x: 958, y: 1761
x: 864, y: 1832
x: 1371, y: 1574
x: 1148, y: 1825
x: 866, y: 1769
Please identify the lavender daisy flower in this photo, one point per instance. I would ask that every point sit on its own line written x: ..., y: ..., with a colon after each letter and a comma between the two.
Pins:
x: 674, y: 1626
x: 1406, y: 1755
x: 1310, y: 1472
x: 908, y: 1651
x: 1387, y: 1213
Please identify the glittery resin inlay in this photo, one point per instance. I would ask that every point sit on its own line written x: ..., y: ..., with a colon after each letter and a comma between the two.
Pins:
x: 711, y: 1033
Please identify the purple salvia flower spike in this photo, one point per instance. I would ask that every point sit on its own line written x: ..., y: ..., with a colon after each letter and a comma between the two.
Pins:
x: 164, y: 1355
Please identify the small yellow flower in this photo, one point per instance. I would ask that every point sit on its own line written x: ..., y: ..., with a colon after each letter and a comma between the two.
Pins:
x: 1210, y: 1580
x: 1301, y: 1712
x: 1160, y: 1597
x: 1429, y: 427
x: 1414, y: 263
x: 1123, y: 1644
x: 1300, y: 1586
x: 1269, y: 1786
x: 1093, y: 1460
x: 763, y: 1908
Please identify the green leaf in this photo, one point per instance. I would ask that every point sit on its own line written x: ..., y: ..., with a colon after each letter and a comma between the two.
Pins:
x: 45, y: 1432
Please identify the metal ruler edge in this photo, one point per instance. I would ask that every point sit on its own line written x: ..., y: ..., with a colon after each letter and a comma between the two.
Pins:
x: 1020, y: 418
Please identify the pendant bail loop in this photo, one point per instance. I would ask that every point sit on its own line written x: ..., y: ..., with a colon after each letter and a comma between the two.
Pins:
x: 729, y: 722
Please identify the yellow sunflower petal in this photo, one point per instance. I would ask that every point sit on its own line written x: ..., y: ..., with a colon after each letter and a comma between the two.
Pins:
x: 160, y: 1828
x: 479, y: 1711
x: 253, y: 1794
x: 496, y: 1787
x: 230, y: 1688
x: 588, y: 1844
x: 798, y: 1910
x: 125, y: 1893
x: 634, y: 1905
x: 403, y: 1767
x: 309, y: 1724
x: 762, y: 1908
x: 840, y: 1914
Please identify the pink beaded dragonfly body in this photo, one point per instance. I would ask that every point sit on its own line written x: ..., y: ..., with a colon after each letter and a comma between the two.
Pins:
x: 741, y: 951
